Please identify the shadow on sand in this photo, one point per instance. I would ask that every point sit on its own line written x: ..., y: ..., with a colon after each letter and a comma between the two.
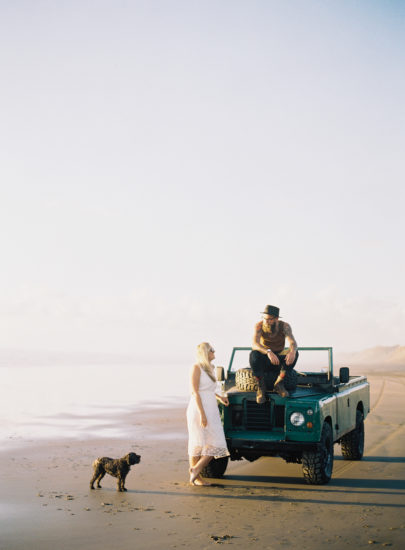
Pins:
x: 363, y: 492
x: 393, y: 459
x: 235, y: 493
x: 394, y: 485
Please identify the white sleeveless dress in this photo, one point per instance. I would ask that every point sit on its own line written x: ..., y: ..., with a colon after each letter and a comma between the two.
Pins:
x: 208, y: 441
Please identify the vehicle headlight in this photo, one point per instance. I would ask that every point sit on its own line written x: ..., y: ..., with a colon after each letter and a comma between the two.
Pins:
x: 297, y: 419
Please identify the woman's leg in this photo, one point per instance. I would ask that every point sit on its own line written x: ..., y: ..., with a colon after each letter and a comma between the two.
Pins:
x: 193, y: 460
x: 197, y: 467
x: 199, y: 480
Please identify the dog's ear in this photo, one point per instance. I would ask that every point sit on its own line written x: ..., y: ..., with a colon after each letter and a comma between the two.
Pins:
x: 130, y: 458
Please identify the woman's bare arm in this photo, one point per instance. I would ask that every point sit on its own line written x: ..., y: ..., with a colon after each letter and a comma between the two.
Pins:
x: 195, y: 383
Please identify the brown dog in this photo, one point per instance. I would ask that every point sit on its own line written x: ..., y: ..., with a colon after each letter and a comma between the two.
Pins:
x: 116, y: 467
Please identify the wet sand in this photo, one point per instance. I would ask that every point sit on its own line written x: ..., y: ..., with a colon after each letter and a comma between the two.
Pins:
x: 46, y: 503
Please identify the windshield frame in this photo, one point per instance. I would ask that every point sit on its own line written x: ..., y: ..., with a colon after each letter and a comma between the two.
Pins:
x: 329, y: 349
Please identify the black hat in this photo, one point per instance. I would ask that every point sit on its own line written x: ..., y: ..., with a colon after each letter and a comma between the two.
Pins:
x: 272, y: 310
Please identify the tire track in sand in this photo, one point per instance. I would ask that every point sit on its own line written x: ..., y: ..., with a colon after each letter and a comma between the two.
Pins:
x: 379, y: 397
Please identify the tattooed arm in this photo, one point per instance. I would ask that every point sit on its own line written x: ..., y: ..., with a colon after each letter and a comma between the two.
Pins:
x: 292, y: 343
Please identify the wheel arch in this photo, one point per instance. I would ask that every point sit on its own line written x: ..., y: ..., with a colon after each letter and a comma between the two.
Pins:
x: 328, y: 419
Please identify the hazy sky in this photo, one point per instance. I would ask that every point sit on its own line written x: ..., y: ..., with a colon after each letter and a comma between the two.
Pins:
x: 169, y: 167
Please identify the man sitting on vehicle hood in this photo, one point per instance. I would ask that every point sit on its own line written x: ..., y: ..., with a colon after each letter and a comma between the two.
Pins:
x: 268, y: 355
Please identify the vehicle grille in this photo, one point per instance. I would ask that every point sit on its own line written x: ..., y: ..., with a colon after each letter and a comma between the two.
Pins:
x: 279, y: 412
x: 263, y: 417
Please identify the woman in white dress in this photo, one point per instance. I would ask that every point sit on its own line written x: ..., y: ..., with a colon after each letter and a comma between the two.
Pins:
x: 206, y: 435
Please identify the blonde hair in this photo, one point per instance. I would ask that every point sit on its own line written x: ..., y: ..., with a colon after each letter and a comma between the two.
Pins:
x: 203, y: 350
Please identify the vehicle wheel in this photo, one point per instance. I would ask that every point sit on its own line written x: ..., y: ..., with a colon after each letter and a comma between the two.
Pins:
x: 215, y: 468
x: 245, y: 380
x: 353, y: 442
x: 317, y: 465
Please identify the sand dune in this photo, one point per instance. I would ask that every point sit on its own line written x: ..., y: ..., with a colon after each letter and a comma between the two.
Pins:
x: 381, y: 355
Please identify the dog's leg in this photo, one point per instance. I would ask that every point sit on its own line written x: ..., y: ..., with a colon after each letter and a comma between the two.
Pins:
x: 95, y: 476
x: 100, y: 477
x: 93, y: 479
x: 121, y: 483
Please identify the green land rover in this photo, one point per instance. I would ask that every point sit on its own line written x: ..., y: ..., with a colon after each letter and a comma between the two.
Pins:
x: 323, y: 409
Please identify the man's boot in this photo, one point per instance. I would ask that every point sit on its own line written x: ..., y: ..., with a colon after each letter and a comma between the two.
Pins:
x: 261, y: 391
x: 280, y: 389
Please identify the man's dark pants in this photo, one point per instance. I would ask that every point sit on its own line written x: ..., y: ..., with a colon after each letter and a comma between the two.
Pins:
x: 262, y: 367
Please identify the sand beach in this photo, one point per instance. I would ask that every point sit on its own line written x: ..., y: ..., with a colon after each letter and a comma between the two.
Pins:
x: 169, y: 169
x: 46, y: 501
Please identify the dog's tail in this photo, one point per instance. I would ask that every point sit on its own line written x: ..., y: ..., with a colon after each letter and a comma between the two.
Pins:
x: 96, y: 462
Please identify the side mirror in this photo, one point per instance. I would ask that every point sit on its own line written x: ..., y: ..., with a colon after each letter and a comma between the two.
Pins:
x: 220, y: 374
x: 344, y: 375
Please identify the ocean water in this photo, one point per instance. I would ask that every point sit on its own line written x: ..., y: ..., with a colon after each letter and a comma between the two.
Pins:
x: 85, y: 401
x: 41, y: 402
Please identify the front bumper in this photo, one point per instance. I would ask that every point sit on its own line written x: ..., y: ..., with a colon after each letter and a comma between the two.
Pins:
x: 268, y: 446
